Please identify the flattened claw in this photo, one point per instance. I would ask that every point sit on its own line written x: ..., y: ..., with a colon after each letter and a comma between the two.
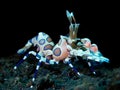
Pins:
x: 100, y: 59
x: 104, y: 59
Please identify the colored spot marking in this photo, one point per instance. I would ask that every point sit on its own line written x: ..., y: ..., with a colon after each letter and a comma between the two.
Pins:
x: 48, y: 47
x: 42, y: 41
x: 57, y: 52
x: 49, y: 39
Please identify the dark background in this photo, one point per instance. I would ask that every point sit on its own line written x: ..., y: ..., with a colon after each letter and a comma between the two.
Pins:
x: 21, y: 21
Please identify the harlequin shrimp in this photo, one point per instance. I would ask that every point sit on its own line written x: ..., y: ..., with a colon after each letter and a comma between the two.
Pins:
x: 67, y: 47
